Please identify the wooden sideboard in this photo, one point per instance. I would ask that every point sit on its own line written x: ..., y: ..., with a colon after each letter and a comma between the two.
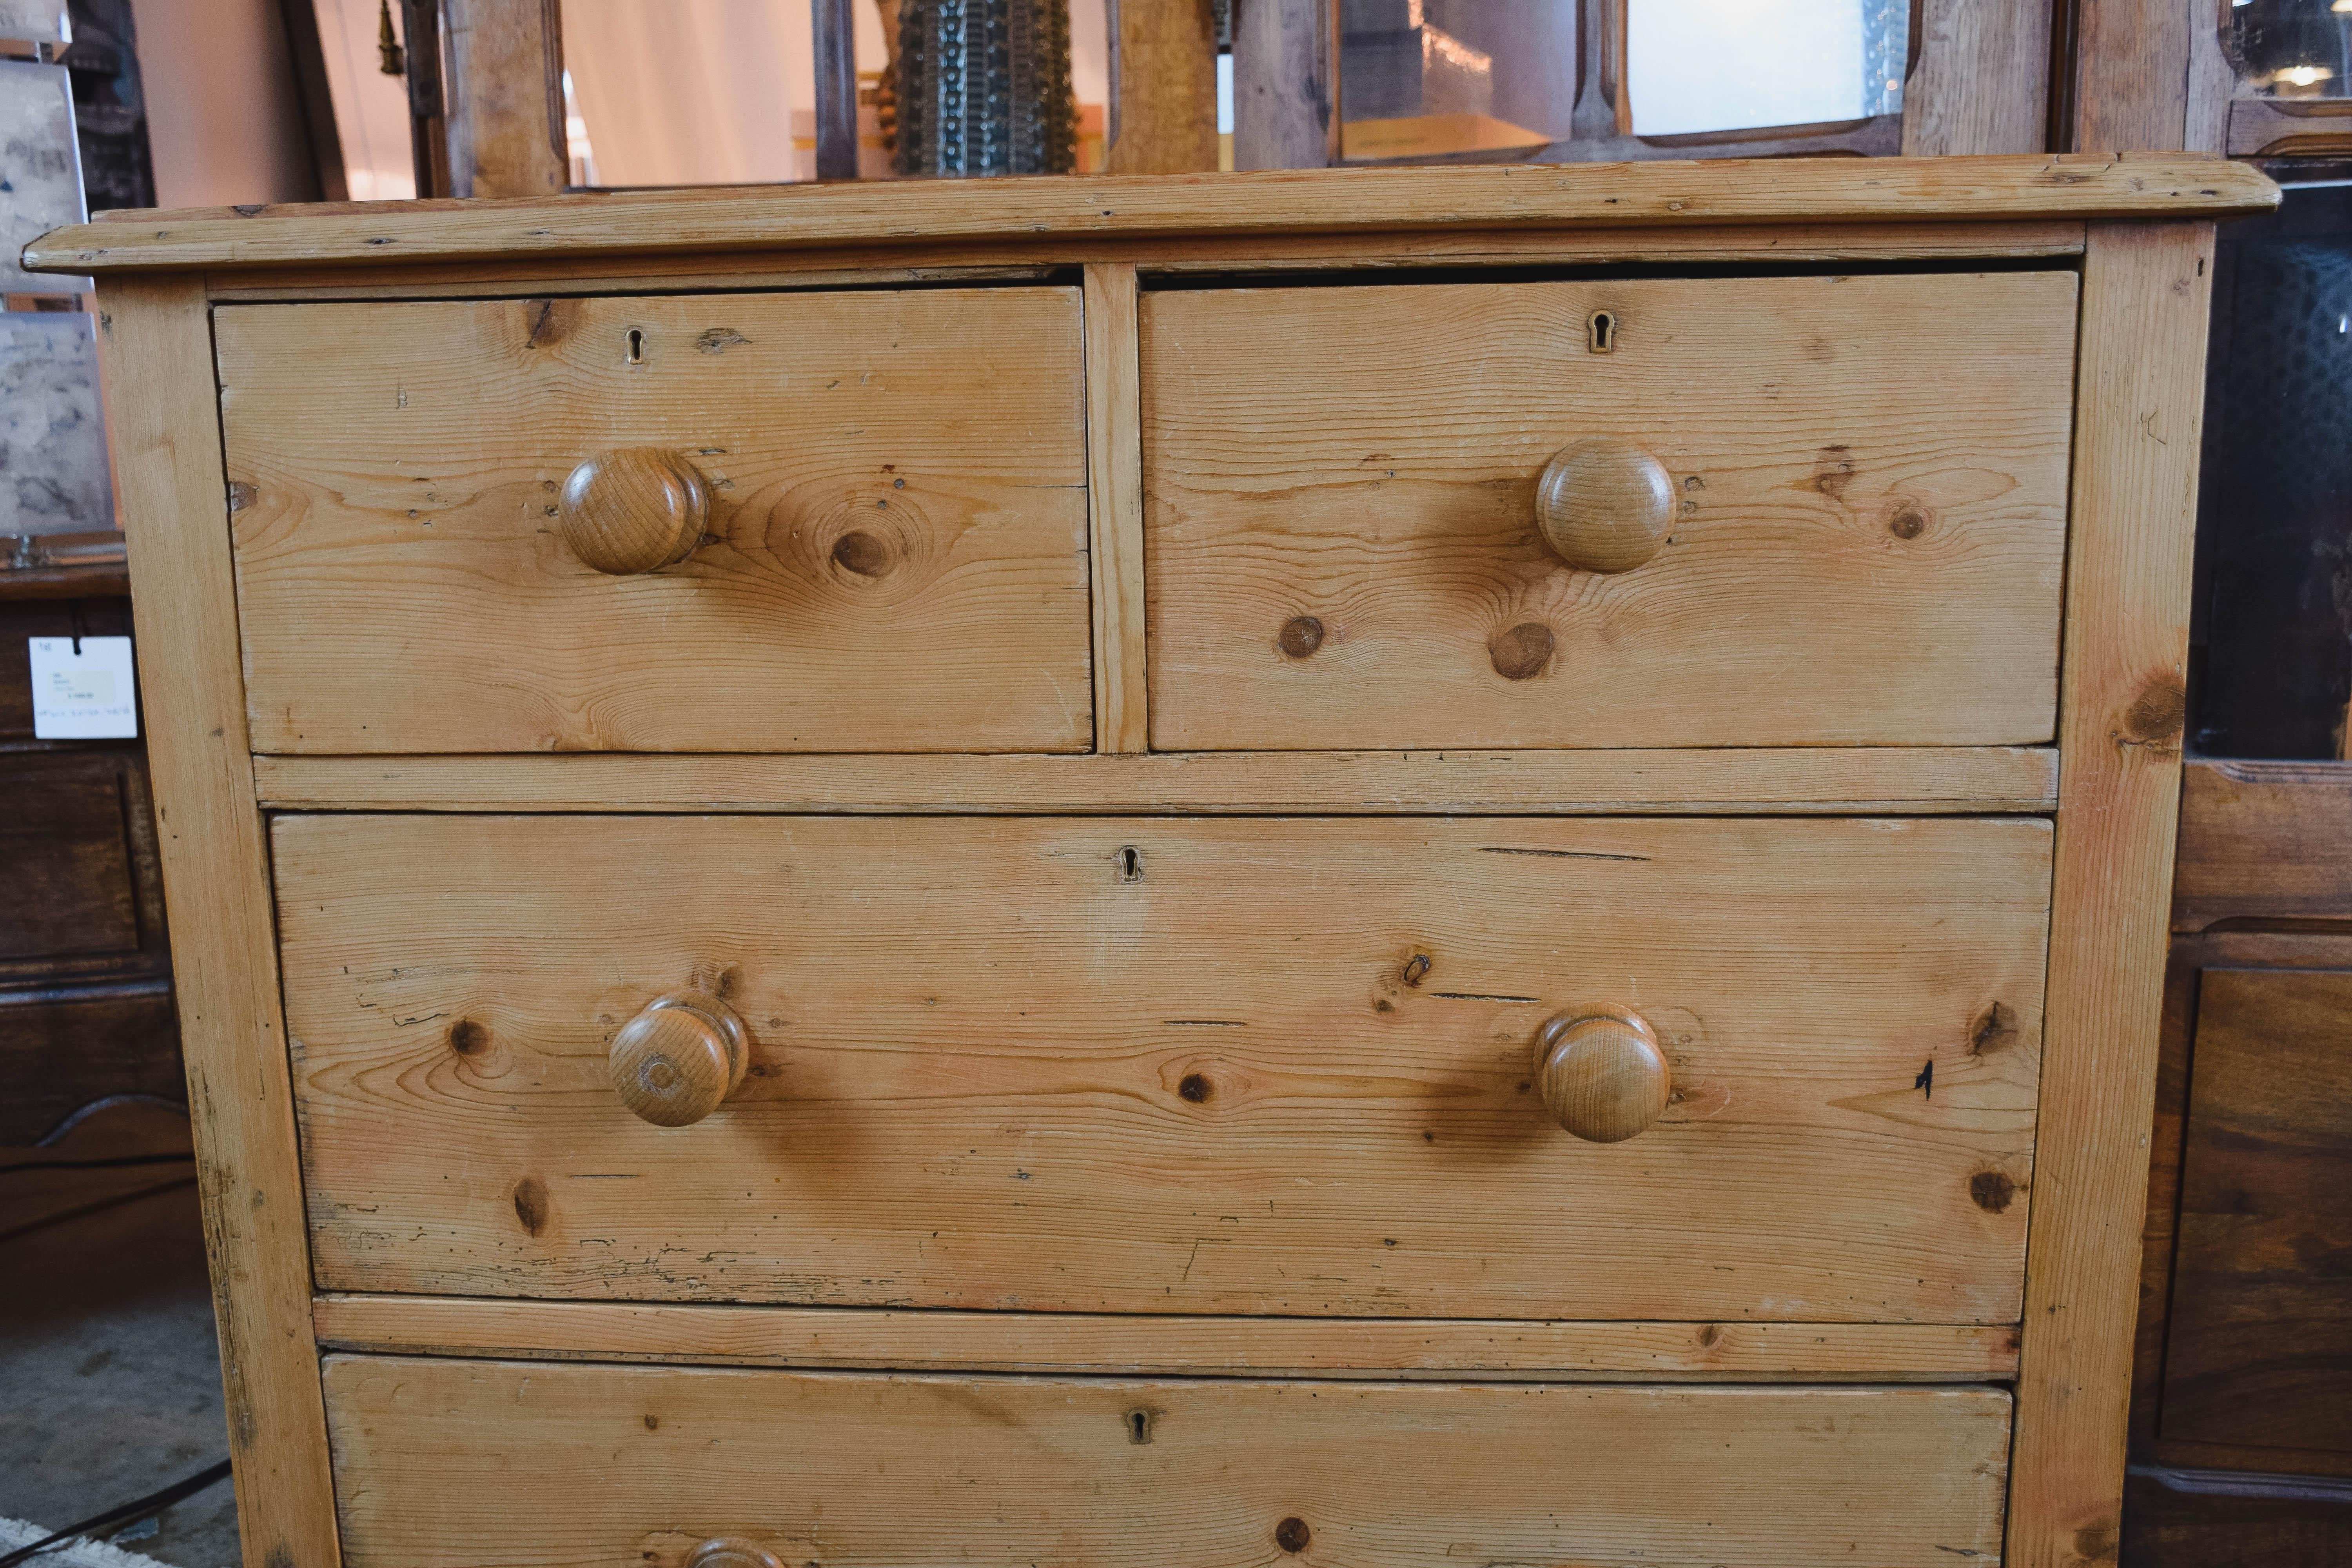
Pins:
x: 1379, y: 867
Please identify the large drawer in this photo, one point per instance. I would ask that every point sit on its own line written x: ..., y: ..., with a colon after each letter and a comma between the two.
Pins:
x: 893, y: 556
x: 1854, y: 489
x: 1238, y: 1066
x: 449, y: 1464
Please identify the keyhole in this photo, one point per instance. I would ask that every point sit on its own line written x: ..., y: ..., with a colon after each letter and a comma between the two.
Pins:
x: 636, y: 345
x: 1604, y: 329
x: 1130, y: 864
x: 1139, y: 1425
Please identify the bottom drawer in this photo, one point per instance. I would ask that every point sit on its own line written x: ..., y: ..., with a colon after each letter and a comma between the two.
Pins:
x: 450, y: 1464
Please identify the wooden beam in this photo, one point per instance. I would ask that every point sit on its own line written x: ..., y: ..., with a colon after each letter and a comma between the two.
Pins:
x: 429, y: 108
x: 1395, y: 250
x: 1163, y: 87
x: 2264, y: 840
x: 2132, y: 74
x: 1115, y: 493
x: 1820, y: 192
x: 155, y: 335
x: 506, y: 97
x: 1831, y: 780
x: 1286, y: 84
x: 1111, y: 1344
x: 1983, y: 80
x: 2140, y: 388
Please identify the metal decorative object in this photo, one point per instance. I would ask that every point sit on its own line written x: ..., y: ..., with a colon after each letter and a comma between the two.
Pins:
x: 40, y: 170
x: 984, y: 87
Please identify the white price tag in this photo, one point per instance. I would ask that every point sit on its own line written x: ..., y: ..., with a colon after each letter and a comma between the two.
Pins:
x: 89, y: 695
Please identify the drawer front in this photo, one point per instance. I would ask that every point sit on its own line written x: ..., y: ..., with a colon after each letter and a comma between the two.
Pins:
x: 1225, y: 1066
x: 450, y: 1464
x: 893, y: 555
x: 1855, y: 490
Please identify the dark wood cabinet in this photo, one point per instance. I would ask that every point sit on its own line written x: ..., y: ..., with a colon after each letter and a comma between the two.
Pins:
x: 2258, y: 1353
x: 85, y: 973
x: 2242, y: 1415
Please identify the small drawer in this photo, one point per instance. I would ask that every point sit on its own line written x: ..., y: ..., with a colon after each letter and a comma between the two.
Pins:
x: 452, y: 1464
x: 1168, y: 1066
x: 1750, y: 512
x: 737, y: 522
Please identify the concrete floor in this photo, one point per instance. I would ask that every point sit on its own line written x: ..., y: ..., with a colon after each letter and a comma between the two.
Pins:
x: 110, y: 1374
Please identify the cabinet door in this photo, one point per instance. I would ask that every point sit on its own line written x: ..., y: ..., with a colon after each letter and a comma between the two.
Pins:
x: 2259, y: 1354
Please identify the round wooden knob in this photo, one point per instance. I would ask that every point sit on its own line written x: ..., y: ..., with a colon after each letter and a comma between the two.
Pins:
x: 635, y: 510
x: 731, y: 1551
x: 1604, y: 505
x: 1602, y: 1075
x: 675, y: 1061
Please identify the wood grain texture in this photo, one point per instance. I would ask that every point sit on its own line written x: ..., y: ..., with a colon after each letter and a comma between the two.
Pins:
x: 2189, y: 957
x: 2131, y: 80
x: 2141, y: 389
x: 1155, y: 1344
x: 1823, y: 191
x: 1286, y: 84
x: 505, y: 100
x: 2214, y: 1518
x: 2211, y: 83
x: 1871, y: 476
x: 67, y: 843
x: 1164, y: 118
x: 2263, y: 841
x: 1115, y: 494
x: 1037, y: 1039
x: 2258, y: 127
x: 2259, y: 1352
x: 156, y: 345
x: 1036, y: 260
x: 898, y: 559
x: 64, y: 1048
x: 2158, y: 1224
x: 1982, y: 82
x: 643, y: 1464
x: 1828, y: 781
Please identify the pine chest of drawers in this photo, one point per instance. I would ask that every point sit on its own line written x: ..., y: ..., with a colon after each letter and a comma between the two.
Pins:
x: 1376, y: 867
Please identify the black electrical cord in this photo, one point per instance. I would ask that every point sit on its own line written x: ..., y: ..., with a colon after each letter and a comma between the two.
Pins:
x: 138, y: 1508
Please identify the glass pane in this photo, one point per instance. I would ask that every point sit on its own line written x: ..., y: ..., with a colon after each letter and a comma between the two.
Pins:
x: 2289, y: 48
x: 1421, y: 78
x: 1699, y: 66
x: 2272, y: 659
